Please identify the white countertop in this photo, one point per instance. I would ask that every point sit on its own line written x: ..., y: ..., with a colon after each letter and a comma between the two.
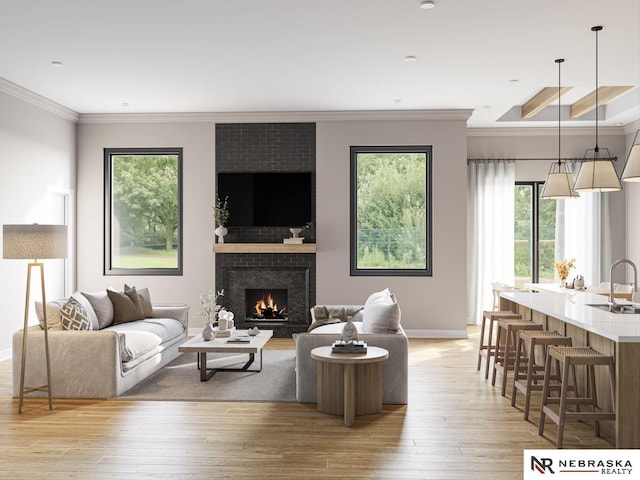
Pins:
x: 572, y: 308
x: 555, y: 288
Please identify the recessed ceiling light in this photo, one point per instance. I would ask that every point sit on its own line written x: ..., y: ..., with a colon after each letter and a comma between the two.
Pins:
x: 513, y: 80
x: 410, y: 58
x: 56, y: 64
x: 486, y: 107
x: 396, y: 100
x: 124, y: 104
x: 428, y: 5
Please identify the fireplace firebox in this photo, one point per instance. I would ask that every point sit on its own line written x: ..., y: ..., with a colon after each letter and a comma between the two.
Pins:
x: 265, y: 305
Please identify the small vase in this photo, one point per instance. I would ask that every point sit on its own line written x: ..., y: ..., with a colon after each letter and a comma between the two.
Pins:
x: 220, y: 233
x: 349, y: 332
x: 208, y: 333
x: 295, y: 232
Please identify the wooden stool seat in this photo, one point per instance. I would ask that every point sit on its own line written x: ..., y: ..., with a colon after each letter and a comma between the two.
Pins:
x: 527, y: 381
x: 569, y: 357
x: 486, y: 347
x: 504, y: 357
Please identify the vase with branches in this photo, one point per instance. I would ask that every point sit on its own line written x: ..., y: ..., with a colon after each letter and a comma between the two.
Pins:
x: 221, y: 216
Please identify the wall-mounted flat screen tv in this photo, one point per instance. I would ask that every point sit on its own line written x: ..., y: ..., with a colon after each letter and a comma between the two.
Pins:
x: 266, y: 199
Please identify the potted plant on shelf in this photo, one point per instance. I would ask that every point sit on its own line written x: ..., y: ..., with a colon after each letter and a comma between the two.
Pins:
x: 221, y: 215
x: 295, y: 233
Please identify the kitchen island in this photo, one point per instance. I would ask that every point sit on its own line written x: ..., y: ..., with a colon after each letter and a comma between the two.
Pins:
x: 611, y: 334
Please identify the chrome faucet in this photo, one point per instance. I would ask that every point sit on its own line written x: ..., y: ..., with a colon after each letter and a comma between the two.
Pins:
x: 635, y: 279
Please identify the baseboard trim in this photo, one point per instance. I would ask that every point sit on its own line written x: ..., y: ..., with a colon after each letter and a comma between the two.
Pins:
x: 5, y: 354
x: 436, y: 333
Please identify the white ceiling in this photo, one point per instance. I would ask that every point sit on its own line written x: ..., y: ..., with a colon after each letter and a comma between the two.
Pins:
x: 320, y: 55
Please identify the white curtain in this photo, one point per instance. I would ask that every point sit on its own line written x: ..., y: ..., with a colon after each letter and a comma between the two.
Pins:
x: 490, y: 217
x: 581, y: 233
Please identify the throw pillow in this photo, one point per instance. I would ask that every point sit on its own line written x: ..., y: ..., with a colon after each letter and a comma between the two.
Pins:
x: 126, y: 306
x: 358, y: 316
x: 53, y: 314
x: 145, y: 300
x: 319, y: 323
x: 381, y: 316
x: 102, y: 306
x: 93, y: 318
x: 376, y: 295
x: 74, y: 316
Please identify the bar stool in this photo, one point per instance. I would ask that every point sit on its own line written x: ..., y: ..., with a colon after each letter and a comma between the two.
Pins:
x: 570, y: 357
x: 504, y: 358
x: 486, y: 347
x: 527, y: 381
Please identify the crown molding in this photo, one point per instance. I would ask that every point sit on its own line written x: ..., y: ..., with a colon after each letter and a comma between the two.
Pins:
x: 38, y: 100
x: 632, y: 127
x: 540, y: 131
x: 250, y: 117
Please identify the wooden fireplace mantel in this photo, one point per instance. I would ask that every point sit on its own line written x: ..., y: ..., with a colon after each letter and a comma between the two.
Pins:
x: 264, y: 247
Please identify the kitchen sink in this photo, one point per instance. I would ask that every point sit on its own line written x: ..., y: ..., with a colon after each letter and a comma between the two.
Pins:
x: 621, y: 309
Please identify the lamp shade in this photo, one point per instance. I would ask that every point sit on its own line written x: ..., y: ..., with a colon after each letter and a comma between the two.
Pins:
x: 34, y: 241
x: 631, y: 172
x: 558, y: 186
x: 597, y: 176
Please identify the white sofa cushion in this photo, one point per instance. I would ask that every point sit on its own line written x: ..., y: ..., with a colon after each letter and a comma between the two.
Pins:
x: 143, y: 336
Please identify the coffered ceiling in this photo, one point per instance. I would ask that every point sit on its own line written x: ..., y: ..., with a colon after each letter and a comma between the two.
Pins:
x: 492, y: 56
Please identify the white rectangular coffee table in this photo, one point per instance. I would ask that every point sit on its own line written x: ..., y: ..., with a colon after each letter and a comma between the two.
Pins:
x: 222, y: 345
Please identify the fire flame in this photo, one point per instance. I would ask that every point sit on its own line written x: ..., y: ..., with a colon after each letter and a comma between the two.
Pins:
x: 267, y: 305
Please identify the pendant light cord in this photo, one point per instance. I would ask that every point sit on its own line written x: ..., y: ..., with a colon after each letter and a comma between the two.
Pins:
x: 559, y: 62
x: 596, y: 29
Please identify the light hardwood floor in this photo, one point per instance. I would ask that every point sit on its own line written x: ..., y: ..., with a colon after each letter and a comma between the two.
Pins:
x: 456, y: 426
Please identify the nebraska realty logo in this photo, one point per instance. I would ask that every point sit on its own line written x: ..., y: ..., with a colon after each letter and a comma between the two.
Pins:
x: 581, y: 464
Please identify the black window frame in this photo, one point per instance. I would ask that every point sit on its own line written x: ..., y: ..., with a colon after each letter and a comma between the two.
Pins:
x: 427, y: 271
x: 108, y: 268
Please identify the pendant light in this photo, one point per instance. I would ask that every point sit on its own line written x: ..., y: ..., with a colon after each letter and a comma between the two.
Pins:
x: 559, y: 183
x: 631, y: 172
x: 597, y: 174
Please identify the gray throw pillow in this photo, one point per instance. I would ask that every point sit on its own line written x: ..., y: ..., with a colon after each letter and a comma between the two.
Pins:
x: 126, y: 306
x: 102, y: 306
x: 145, y: 300
x: 74, y: 316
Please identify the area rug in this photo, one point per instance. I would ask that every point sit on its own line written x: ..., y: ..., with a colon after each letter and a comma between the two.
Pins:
x: 180, y: 380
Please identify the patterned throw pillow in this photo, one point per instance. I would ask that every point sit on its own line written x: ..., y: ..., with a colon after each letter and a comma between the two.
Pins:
x: 73, y: 316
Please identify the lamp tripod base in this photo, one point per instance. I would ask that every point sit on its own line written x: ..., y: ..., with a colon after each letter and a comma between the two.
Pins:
x: 25, y: 390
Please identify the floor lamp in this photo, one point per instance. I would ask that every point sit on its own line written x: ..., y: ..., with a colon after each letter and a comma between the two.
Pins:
x: 34, y: 242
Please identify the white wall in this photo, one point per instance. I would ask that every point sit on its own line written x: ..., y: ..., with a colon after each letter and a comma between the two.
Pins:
x: 197, y: 140
x: 37, y: 158
x: 431, y: 306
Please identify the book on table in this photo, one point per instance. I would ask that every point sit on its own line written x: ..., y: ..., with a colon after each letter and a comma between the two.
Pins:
x: 243, y: 339
x: 353, y: 346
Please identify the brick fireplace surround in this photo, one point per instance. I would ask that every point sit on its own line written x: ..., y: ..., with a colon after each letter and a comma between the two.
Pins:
x: 267, y: 147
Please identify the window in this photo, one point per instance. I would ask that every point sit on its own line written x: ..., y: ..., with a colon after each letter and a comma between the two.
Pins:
x: 534, y: 235
x: 391, y: 211
x: 143, y: 211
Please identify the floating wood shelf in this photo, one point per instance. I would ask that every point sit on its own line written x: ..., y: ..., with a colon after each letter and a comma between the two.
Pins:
x: 264, y: 247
